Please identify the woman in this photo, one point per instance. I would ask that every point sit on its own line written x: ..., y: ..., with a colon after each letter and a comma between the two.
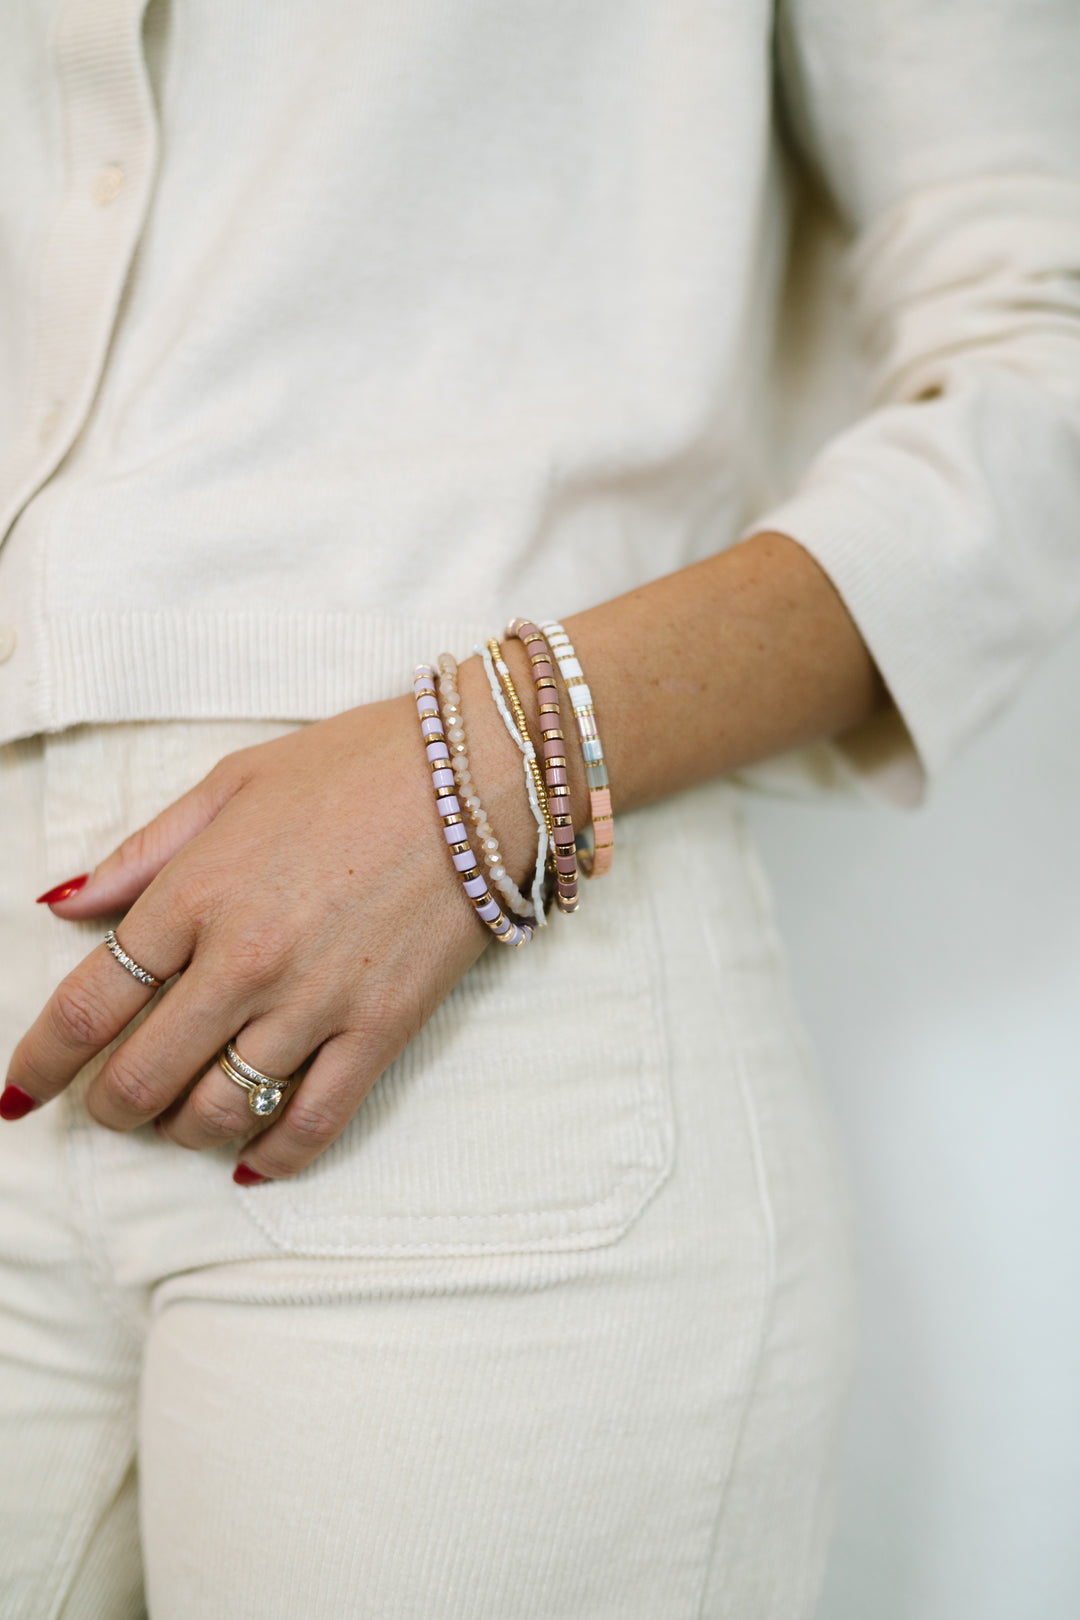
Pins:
x: 336, y: 336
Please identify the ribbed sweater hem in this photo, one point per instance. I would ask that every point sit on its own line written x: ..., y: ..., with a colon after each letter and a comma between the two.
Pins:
x: 100, y: 667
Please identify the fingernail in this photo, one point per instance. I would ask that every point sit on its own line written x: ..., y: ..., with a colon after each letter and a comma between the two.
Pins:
x: 160, y: 1128
x: 245, y: 1176
x: 15, y: 1103
x: 63, y: 891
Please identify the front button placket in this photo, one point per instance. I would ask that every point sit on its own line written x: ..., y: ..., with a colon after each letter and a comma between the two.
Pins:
x: 111, y: 134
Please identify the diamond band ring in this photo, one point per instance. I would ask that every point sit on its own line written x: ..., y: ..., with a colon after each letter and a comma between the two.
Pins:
x: 125, y: 961
x: 265, y: 1091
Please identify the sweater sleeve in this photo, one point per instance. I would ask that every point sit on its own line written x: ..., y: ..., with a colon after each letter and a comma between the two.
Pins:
x: 946, y: 134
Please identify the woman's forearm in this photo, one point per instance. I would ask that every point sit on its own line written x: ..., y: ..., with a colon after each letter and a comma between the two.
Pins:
x: 730, y: 660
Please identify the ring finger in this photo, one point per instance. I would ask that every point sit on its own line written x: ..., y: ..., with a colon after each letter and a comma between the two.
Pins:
x: 219, y: 1108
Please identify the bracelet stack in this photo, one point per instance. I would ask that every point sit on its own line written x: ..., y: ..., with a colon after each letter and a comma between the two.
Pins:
x: 509, y: 914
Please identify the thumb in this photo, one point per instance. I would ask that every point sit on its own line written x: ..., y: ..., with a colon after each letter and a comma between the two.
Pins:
x: 122, y: 876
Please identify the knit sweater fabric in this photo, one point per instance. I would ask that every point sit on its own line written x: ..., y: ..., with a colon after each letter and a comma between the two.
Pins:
x: 332, y: 335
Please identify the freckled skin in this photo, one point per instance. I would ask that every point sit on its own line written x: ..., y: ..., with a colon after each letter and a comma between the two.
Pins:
x: 680, y: 688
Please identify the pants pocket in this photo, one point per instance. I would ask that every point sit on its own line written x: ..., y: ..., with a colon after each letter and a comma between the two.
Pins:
x: 531, y: 1113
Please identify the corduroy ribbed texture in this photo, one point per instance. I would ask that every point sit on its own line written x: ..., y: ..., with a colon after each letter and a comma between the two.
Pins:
x: 534, y: 1341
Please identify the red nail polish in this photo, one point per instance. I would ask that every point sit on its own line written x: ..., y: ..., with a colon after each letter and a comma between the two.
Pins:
x: 63, y: 891
x: 15, y: 1103
x: 245, y: 1176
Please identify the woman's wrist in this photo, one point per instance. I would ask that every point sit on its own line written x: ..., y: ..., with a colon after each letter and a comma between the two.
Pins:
x: 731, y: 660
x: 744, y: 655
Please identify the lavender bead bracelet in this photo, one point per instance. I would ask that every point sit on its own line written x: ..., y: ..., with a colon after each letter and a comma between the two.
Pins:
x: 505, y: 929
x: 454, y: 728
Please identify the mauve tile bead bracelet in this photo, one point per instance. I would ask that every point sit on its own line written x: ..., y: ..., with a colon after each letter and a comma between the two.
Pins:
x: 553, y: 753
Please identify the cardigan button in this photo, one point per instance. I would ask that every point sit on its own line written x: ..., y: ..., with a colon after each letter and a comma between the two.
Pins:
x: 7, y: 642
x: 107, y: 184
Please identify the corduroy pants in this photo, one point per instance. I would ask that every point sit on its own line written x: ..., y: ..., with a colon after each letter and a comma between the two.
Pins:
x: 555, y: 1337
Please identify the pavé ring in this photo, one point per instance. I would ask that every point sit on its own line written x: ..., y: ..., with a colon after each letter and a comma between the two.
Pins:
x: 265, y: 1091
x: 143, y: 975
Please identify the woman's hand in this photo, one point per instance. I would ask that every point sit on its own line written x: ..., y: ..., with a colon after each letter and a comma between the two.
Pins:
x: 302, y: 891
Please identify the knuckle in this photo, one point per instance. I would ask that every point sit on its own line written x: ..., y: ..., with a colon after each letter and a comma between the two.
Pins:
x: 255, y: 959
x: 394, y: 1019
x: 129, y: 1089
x: 216, y: 1116
x: 78, y: 1015
x: 311, y: 1126
x: 194, y: 898
x: 230, y: 772
x: 140, y: 849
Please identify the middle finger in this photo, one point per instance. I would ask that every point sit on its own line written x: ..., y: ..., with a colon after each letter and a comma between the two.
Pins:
x: 173, y: 1045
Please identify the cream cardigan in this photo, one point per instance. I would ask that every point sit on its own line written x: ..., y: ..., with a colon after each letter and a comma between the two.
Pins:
x: 331, y: 334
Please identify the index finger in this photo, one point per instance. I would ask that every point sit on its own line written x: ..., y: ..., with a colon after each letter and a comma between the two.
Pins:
x: 87, y: 1010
